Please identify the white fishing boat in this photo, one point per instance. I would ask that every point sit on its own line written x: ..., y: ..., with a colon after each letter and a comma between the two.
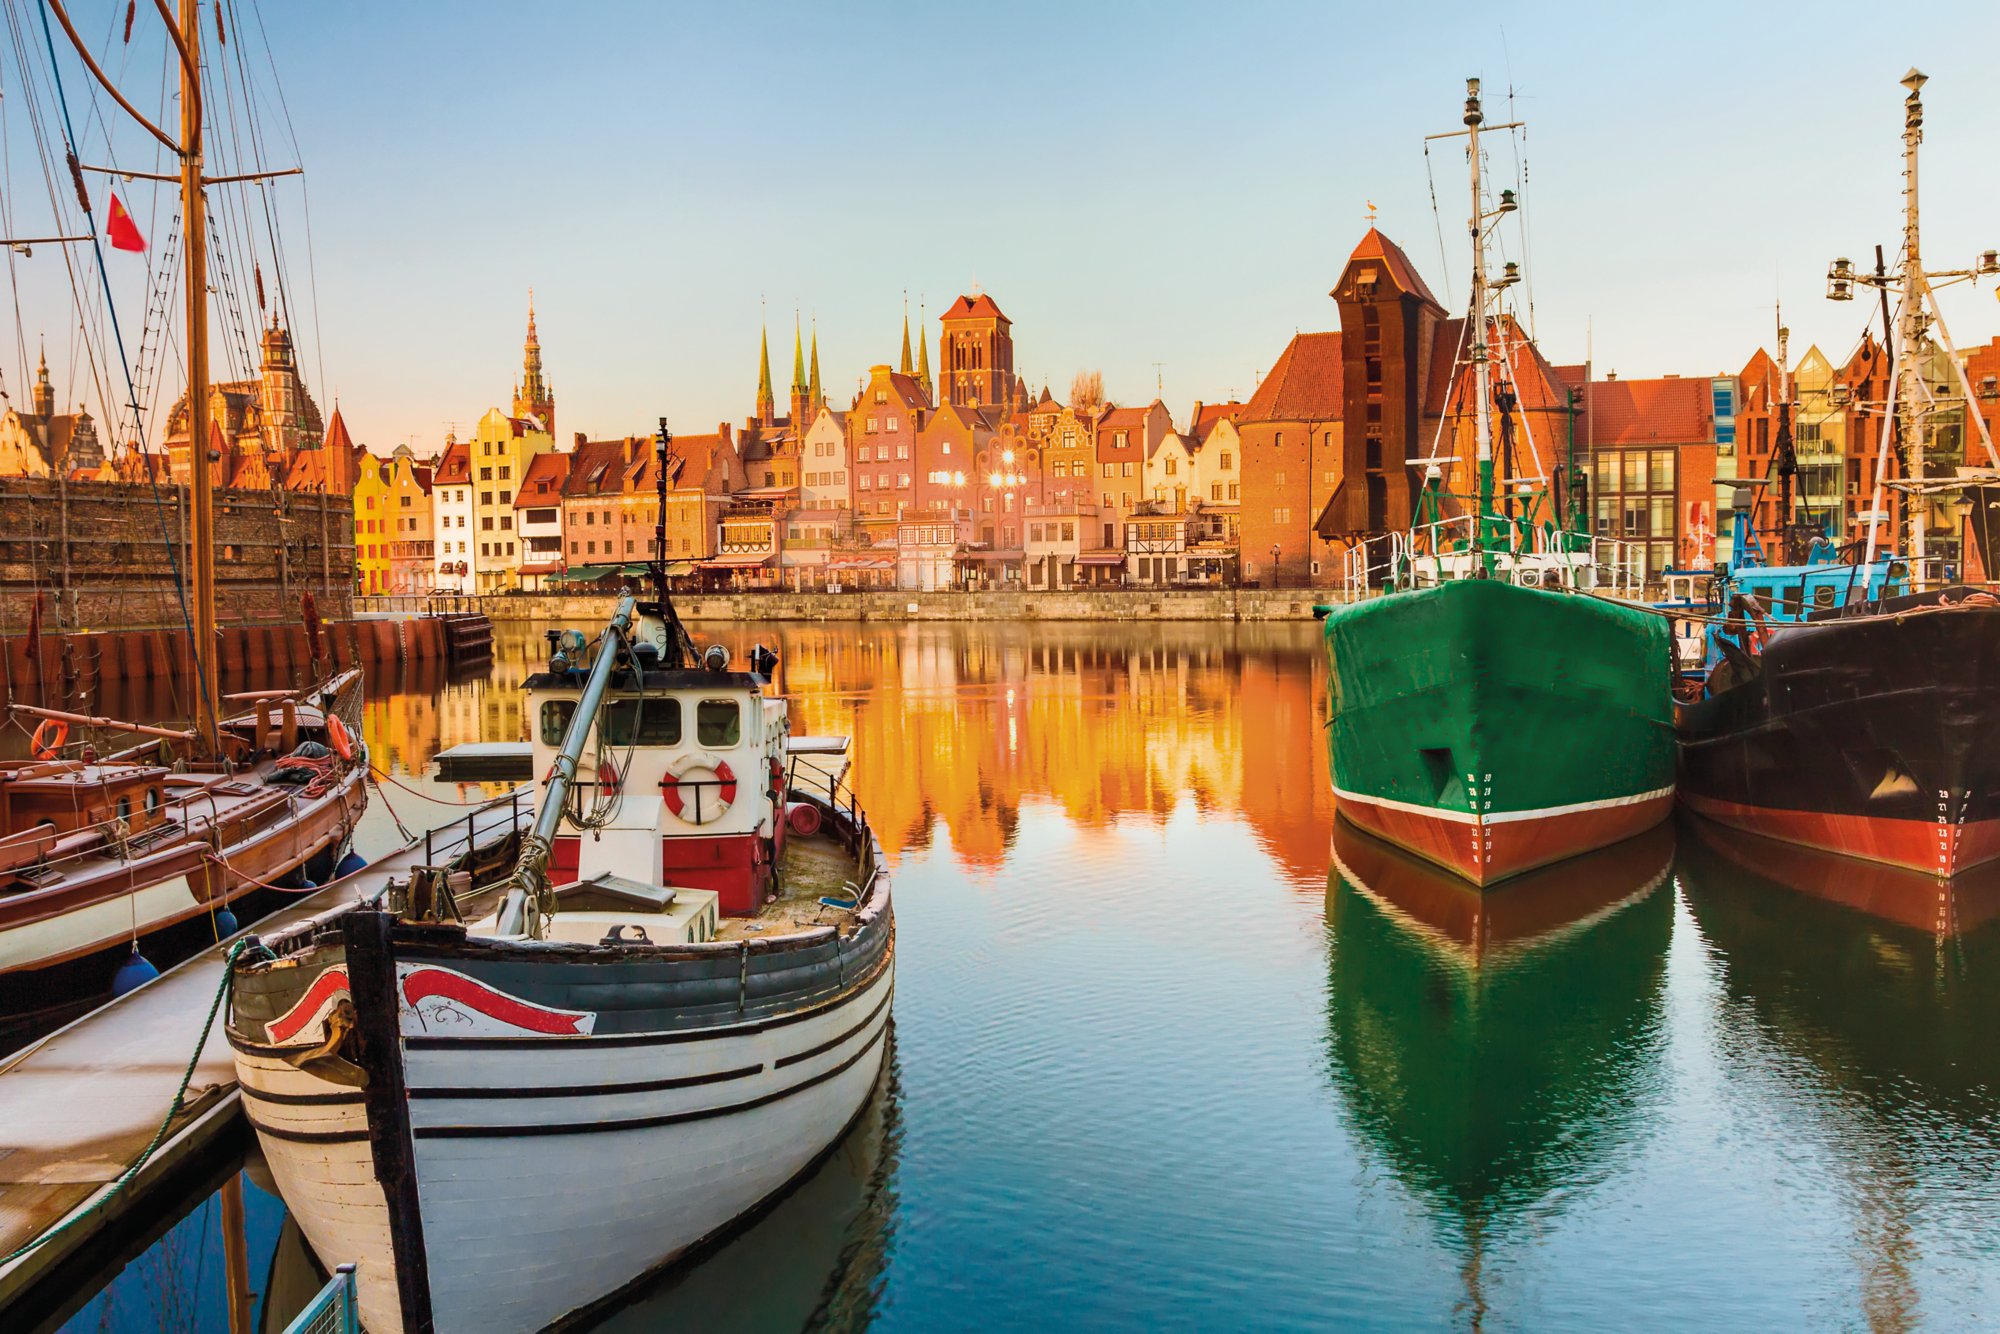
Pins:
x: 510, y: 1102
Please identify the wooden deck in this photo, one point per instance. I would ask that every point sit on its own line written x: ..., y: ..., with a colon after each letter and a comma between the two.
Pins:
x: 79, y: 1106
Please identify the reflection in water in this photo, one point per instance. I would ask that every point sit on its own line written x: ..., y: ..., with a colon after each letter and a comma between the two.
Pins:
x: 964, y: 724
x: 1493, y: 1046
x: 816, y: 1261
x: 1884, y: 1020
x: 1121, y: 1001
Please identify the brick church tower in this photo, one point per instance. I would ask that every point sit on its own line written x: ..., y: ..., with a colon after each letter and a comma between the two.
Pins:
x: 976, y: 354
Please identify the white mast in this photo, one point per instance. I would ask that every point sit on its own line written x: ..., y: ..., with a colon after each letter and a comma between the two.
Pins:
x: 1483, y: 370
x: 1918, y: 313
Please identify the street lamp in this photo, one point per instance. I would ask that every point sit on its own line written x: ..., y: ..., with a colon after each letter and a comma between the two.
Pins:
x: 1275, y: 550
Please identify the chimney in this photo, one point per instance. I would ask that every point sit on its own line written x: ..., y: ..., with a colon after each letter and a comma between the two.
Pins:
x: 579, y: 441
x: 1194, y: 419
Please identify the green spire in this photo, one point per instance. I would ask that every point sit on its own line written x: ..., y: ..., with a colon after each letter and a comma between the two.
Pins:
x: 798, y: 359
x: 767, y: 403
x: 814, y: 398
x: 906, y: 340
x: 924, y: 356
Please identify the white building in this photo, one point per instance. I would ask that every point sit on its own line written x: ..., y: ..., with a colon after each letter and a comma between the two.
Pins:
x: 823, y: 463
x: 451, y: 519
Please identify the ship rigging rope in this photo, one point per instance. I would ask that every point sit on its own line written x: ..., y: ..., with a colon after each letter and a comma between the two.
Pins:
x: 195, y: 644
x: 174, y: 1109
x: 382, y: 776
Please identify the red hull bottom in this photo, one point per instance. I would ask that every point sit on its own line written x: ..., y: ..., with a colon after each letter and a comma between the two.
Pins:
x: 1486, y: 850
x: 1932, y: 847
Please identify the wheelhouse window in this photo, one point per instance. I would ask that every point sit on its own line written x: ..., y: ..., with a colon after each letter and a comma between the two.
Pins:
x: 643, y: 722
x: 556, y: 714
x: 718, y: 723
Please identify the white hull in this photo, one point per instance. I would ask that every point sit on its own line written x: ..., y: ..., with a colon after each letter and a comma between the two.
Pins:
x: 548, y: 1212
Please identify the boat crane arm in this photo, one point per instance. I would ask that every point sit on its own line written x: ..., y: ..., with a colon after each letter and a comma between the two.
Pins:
x: 527, y: 888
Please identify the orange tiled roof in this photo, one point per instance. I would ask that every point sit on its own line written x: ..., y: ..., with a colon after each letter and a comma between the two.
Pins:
x: 542, y: 483
x: 979, y: 307
x: 1305, y: 385
x: 1377, y: 246
x: 1669, y: 410
x: 455, y: 467
x: 597, y: 468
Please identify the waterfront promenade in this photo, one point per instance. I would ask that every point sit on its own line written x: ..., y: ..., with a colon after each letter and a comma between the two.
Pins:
x: 890, y: 604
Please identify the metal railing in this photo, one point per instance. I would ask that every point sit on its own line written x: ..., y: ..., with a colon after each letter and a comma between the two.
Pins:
x: 333, y: 1310
x: 1440, y: 552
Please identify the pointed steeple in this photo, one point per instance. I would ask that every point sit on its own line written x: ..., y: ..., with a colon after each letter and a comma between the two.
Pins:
x: 534, y: 398
x: 814, y: 398
x: 45, y: 392
x: 906, y: 339
x: 801, y: 398
x: 924, y: 356
x: 767, y: 403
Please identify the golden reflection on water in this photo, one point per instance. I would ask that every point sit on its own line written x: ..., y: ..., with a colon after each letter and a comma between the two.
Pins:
x: 959, y: 727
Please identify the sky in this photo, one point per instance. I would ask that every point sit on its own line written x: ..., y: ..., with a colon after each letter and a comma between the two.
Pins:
x: 1165, y: 192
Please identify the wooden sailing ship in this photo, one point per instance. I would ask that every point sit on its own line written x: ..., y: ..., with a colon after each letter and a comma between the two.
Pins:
x: 511, y: 1098
x: 98, y: 851
x: 1490, y: 712
x: 1852, y: 703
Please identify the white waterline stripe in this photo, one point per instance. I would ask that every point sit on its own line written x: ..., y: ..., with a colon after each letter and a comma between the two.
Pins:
x: 1502, y: 817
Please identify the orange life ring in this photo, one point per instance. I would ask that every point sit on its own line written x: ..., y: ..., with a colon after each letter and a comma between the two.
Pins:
x: 337, y: 737
x: 49, y: 738
x: 721, y: 780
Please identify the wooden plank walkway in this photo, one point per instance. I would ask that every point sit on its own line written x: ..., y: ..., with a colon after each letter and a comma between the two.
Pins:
x: 78, y: 1107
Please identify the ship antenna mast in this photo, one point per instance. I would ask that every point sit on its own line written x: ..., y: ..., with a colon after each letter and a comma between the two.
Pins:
x: 1907, y: 390
x: 678, y: 651
x: 1484, y: 289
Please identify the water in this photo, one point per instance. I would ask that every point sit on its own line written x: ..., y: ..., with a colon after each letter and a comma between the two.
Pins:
x: 1160, y: 1061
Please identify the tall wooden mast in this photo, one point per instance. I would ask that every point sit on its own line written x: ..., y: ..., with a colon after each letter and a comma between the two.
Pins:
x: 194, y: 210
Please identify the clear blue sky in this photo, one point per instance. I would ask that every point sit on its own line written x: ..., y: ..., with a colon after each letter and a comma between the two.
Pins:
x: 1134, y: 183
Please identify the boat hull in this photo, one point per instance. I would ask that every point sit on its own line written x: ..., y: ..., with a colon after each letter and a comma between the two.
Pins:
x: 544, y: 1127
x: 1492, y: 729
x: 109, y: 904
x: 1876, y: 737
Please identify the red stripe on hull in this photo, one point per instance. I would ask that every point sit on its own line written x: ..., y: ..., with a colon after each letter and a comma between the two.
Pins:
x: 1487, y: 853
x: 1933, y: 847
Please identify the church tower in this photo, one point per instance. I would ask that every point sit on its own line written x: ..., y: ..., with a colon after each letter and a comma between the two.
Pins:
x: 801, y: 391
x: 924, y: 357
x: 45, y: 391
x: 767, y: 403
x: 815, y: 398
x: 534, y: 397
x: 976, y: 353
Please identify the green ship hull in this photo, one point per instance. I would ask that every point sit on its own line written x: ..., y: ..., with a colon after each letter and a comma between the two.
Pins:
x: 1492, y: 728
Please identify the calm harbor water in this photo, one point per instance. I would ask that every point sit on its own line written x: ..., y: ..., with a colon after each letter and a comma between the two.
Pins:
x: 1169, y: 1053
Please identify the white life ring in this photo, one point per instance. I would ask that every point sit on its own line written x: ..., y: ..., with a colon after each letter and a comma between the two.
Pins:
x: 711, y: 791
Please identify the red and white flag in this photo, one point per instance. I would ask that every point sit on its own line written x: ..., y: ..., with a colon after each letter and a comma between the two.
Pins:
x: 124, y: 232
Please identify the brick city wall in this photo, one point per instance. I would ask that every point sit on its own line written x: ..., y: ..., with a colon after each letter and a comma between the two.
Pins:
x: 104, y: 554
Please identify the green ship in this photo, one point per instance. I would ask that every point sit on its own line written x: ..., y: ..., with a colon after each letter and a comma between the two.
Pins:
x: 1493, y: 708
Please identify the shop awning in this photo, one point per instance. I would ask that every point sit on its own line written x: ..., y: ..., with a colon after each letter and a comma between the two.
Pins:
x: 736, y: 562
x: 992, y: 555
x: 1101, y: 558
x: 542, y: 567
x: 862, y: 562
x: 589, y: 574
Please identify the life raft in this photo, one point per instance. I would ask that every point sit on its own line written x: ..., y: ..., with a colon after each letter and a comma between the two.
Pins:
x: 710, y: 792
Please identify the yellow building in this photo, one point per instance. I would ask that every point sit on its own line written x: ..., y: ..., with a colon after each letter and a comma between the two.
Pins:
x: 374, y: 489
x: 498, y: 456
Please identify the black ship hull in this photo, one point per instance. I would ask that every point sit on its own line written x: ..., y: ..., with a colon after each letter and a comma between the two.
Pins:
x: 1873, y: 735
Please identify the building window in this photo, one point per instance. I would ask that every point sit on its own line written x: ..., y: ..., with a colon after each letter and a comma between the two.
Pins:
x: 1173, y: 467
x: 1126, y: 469
x: 485, y: 474
x: 486, y: 523
x: 1227, y: 463
x: 1281, y: 515
x: 871, y: 420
